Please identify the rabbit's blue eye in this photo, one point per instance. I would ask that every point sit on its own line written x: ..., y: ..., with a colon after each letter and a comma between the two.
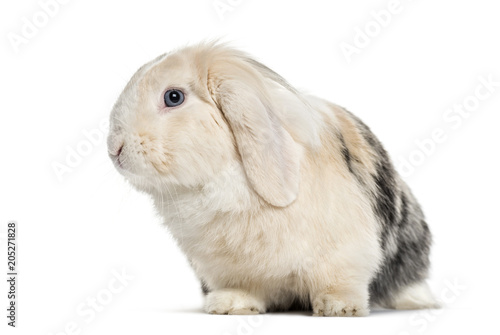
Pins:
x: 173, y: 98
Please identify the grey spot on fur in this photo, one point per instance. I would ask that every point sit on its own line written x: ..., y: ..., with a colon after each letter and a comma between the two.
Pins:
x: 404, y: 236
x: 346, y: 154
x: 204, y: 288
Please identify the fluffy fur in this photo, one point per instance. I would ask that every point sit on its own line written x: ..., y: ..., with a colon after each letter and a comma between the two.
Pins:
x: 279, y: 200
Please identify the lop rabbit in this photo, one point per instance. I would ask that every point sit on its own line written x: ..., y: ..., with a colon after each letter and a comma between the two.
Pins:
x: 278, y: 199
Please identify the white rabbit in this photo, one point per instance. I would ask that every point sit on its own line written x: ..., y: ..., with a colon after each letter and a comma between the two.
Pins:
x: 279, y: 200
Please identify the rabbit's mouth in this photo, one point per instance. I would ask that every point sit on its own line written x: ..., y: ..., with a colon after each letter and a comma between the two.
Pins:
x: 119, y: 162
x: 122, y: 163
x: 115, y: 157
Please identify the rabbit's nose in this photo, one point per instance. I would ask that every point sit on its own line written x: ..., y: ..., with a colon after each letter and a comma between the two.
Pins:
x: 115, y: 145
x: 116, y: 151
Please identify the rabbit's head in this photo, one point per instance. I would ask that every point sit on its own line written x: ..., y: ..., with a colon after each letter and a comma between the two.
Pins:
x: 188, y: 115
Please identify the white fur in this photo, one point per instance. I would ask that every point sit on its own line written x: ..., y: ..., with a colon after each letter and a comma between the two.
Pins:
x: 416, y: 296
x: 233, y: 301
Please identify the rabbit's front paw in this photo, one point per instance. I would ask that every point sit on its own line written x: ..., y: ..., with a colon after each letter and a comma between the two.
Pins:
x: 330, y: 305
x: 233, y: 301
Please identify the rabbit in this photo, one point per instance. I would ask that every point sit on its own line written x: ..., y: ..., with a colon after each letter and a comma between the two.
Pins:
x: 280, y: 200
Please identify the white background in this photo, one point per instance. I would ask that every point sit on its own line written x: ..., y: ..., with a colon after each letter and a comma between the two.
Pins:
x: 74, y: 232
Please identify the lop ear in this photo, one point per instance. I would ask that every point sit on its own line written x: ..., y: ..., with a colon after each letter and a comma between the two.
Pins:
x: 270, y: 156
